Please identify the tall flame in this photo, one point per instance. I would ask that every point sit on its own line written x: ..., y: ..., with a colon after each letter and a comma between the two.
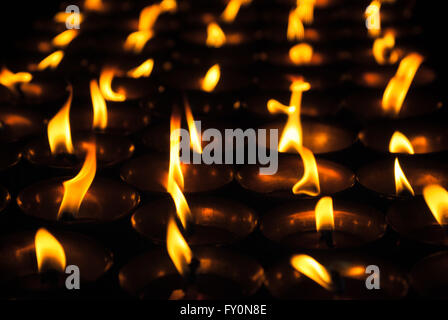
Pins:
x: 50, y: 254
x: 402, y: 184
x: 231, y: 11
x: 211, y: 78
x: 64, y: 38
x: 301, y: 53
x: 436, y: 198
x: 309, y: 183
x: 399, y: 143
x: 398, y: 86
x: 143, y: 70
x: 324, y: 214
x: 373, y: 18
x: 195, y: 138
x: 106, y: 77
x: 178, y: 249
x: 58, y: 130
x: 51, y: 61
x: 309, y: 267
x: 10, y: 79
x: 148, y: 16
x: 99, y: 107
x: 137, y: 40
x: 295, y: 30
x: 305, y: 10
x: 75, y: 189
x: 215, y: 36
x: 382, y: 45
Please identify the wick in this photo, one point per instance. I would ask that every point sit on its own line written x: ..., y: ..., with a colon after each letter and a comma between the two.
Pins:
x: 49, y: 277
x: 66, y: 156
x: 327, y: 237
x: 338, y: 282
x: 192, y: 270
x: 66, y: 216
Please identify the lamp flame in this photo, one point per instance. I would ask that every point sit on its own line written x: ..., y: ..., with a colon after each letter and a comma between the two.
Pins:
x: 149, y: 16
x: 295, y: 30
x: 143, y: 70
x: 436, y: 198
x: 10, y: 79
x: 58, y: 130
x: 195, y: 138
x: 309, y: 183
x: 324, y: 214
x: 75, y: 189
x: 50, y: 253
x: 99, y: 107
x: 136, y: 41
x: 305, y: 10
x: 382, y: 45
x: 301, y: 53
x: 399, y: 143
x: 64, y: 38
x: 215, y: 36
x: 402, y: 184
x: 211, y: 79
x: 106, y: 77
x: 309, y: 267
x: 398, y: 86
x: 178, y: 249
x: 373, y: 18
x: 62, y: 16
x: 51, y: 61
x: 94, y: 5
x: 231, y: 11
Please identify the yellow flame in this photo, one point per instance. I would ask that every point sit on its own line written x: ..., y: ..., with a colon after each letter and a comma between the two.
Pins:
x: 75, y: 189
x: 211, y: 79
x: 137, y: 40
x: 143, y: 70
x: 398, y: 86
x: 149, y: 16
x: 99, y: 107
x: 106, y: 77
x: 436, y: 198
x: 50, y: 253
x: 324, y: 214
x: 309, y: 183
x: 51, y: 61
x: 373, y: 18
x: 231, y: 11
x: 215, y: 36
x: 61, y: 17
x: 93, y: 5
x: 178, y: 249
x: 401, y: 182
x: 305, y: 10
x: 10, y: 79
x: 295, y: 30
x: 301, y: 53
x: 399, y: 143
x: 382, y: 45
x: 64, y: 38
x: 58, y: 130
x: 195, y: 138
x: 309, y: 267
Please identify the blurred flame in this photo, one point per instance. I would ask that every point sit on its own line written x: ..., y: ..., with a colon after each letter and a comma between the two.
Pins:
x: 106, y: 77
x: 61, y: 17
x: 10, y: 79
x: 76, y: 188
x: 211, y: 79
x: 382, y: 45
x: 301, y: 53
x: 436, y: 198
x: 305, y: 10
x: 231, y: 11
x: 401, y: 182
x: 148, y: 16
x: 64, y: 38
x: 398, y: 86
x: 373, y: 18
x: 324, y: 214
x: 99, y: 107
x: 49, y: 252
x: 137, y: 40
x: 309, y: 267
x: 51, y: 61
x: 195, y: 138
x: 309, y: 183
x: 58, y: 130
x: 295, y: 30
x: 93, y: 5
x: 215, y: 36
x: 143, y: 70
x: 178, y: 249
x: 399, y: 143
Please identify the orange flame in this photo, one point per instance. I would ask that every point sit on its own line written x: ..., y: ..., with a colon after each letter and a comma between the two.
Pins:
x: 402, y: 184
x: 149, y: 16
x: 143, y: 70
x: 137, y: 40
x: 94, y: 5
x: 64, y: 38
x: 373, y: 18
x: 398, y: 86
x: 178, y: 249
x: 309, y: 267
x: 231, y: 11
x: 58, y: 130
x: 309, y: 183
x: 305, y: 10
x: 10, y: 79
x: 301, y: 53
x: 75, y: 189
x: 295, y: 30
x: 215, y: 36
x: 399, y: 143
x: 195, y: 138
x: 99, y: 107
x: 436, y: 198
x: 50, y: 253
x: 324, y: 214
x: 61, y: 17
x: 51, y: 61
x: 106, y: 77
x: 211, y: 79
x: 382, y: 45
